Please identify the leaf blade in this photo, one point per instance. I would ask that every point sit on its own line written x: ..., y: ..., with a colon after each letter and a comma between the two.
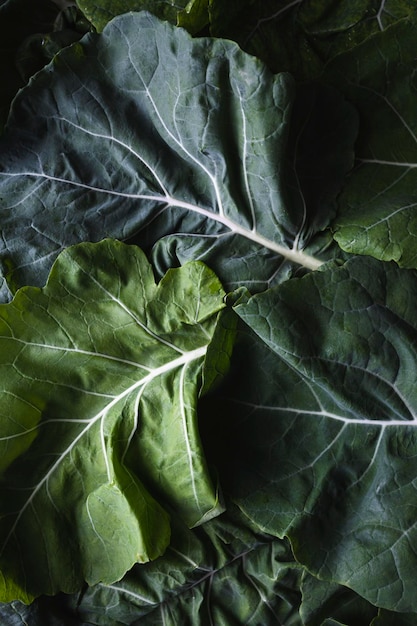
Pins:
x: 118, y: 163
x: 336, y: 386
x: 87, y: 398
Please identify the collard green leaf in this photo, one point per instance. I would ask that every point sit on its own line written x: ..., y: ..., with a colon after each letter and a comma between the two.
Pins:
x: 19, y: 20
x: 301, y: 36
x: 195, y: 16
x: 225, y: 573
x: 389, y: 618
x: 318, y: 156
x: 100, y: 375
x: 100, y: 12
x: 323, y: 423
x: 377, y: 208
x: 58, y: 610
x: 206, y: 162
x: 323, y: 601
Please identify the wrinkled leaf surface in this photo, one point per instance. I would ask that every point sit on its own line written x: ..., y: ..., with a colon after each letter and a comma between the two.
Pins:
x: 225, y: 573
x: 100, y: 362
x: 377, y: 213
x: 323, y: 425
x: 100, y: 12
x: 207, y: 162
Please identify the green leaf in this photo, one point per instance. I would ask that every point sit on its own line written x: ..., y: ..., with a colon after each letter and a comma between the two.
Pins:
x: 19, y: 20
x: 323, y: 601
x: 100, y: 375
x: 320, y: 438
x: 225, y: 573
x: 377, y: 208
x: 195, y: 16
x: 302, y: 36
x: 100, y: 12
x: 210, y: 170
x: 190, y: 14
x: 389, y: 618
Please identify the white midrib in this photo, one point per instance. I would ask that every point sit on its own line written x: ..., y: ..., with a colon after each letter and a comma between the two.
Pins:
x: 332, y: 416
x: 180, y: 361
x: 294, y: 255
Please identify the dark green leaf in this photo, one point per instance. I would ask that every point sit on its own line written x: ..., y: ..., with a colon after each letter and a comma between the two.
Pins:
x: 207, y: 162
x: 377, y: 213
x: 224, y: 573
x: 322, y: 424
x: 192, y: 14
x: 19, y: 20
x: 301, y: 36
x: 322, y: 601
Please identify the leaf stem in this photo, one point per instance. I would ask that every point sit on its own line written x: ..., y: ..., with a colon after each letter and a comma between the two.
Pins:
x: 291, y: 254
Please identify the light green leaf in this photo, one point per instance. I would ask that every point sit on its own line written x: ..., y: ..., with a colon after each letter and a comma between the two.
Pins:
x: 206, y: 164
x: 190, y: 14
x: 100, y: 374
x: 320, y: 439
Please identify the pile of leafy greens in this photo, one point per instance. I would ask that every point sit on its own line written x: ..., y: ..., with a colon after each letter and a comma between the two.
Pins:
x: 208, y: 318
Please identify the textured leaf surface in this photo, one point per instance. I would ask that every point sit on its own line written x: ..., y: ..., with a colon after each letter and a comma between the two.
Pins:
x: 100, y: 362
x: 322, y: 601
x: 19, y: 21
x: 206, y: 162
x: 100, y: 12
x: 377, y: 213
x: 301, y: 36
x: 224, y: 573
x: 389, y: 618
x: 323, y: 425
x: 46, y: 611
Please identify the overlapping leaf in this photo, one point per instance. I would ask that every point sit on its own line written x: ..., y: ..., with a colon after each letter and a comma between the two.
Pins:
x: 323, y: 423
x: 206, y: 162
x: 323, y: 601
x: 30, y: 34
x: 100, y: 373
x: 190, y: 13
x: 378, y: 207
x: 301, y: 36
x: 225, y: 573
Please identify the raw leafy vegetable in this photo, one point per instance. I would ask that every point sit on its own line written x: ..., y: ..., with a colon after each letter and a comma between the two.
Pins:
x: 379, y: 216
x: 226, y: 573
x: 346, y: 379
x: 30, y: 34
x: 100, y: 374
x: 195, y: 151
x: 13, y: 31
x: 301, y: 36
x: 206, y: 163
x: 191, y: 14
